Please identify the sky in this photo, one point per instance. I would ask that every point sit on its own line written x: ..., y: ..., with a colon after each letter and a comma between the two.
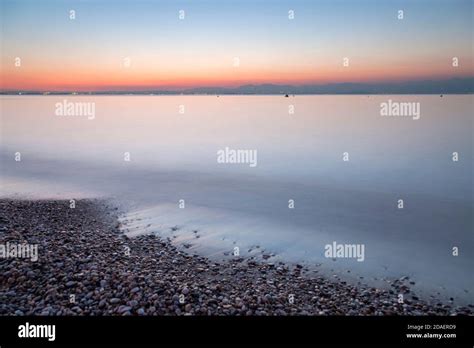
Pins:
x: 143, y: 44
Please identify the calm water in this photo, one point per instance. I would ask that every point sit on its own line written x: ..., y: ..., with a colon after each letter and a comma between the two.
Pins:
x: 173, y: 143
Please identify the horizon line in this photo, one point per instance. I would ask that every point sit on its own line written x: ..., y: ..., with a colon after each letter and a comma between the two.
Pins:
x: 453, y: 85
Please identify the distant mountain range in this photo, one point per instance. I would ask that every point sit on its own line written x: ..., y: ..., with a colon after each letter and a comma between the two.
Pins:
x: 447, y: 86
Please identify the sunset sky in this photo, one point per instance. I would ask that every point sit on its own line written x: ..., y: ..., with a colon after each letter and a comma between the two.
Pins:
x: 90, y: 52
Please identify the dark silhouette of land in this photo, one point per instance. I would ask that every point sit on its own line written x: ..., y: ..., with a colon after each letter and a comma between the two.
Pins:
x: 447, y: 86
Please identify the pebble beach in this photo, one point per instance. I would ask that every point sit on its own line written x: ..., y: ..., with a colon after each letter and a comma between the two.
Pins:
x: 86, y: 266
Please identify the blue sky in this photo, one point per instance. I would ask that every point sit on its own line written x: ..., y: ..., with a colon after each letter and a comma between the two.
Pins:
x: 271, y: 47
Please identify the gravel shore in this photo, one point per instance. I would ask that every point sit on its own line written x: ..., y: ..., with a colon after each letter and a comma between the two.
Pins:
x: 86, y: 266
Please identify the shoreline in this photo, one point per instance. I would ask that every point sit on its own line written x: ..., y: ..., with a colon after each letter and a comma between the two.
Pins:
x: 87, y: 266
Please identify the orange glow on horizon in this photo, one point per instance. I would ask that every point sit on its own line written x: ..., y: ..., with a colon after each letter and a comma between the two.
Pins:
x: 140, y: 78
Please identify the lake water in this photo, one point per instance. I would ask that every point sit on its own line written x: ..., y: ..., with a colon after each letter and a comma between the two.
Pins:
x: 172, y: 143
